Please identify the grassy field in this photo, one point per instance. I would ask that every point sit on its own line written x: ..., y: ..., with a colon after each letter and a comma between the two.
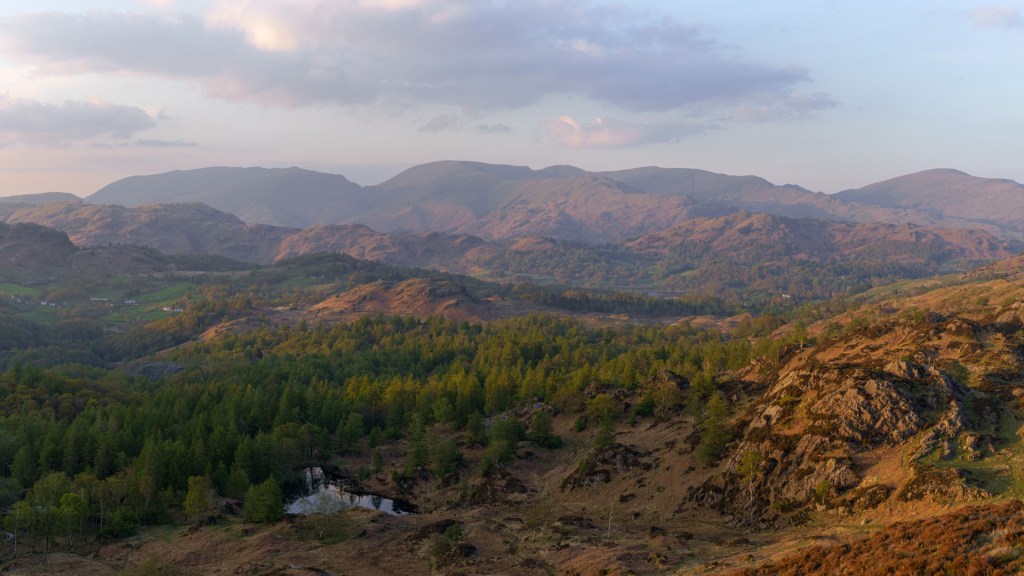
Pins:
x: 165, y: 295
x: 7, y: 288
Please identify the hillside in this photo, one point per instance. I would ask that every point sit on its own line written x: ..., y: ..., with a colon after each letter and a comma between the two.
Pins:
x: 282, y: 197
x: 199, y: 229
x: 420, y: 298
x: 975, y: 540
x: 740, y: 255
x: 761, y: 237
x: 449, y: 252
x: 33, y: 246
x: 949, y: 194
x: 169, y: 228
x: 753, y: 256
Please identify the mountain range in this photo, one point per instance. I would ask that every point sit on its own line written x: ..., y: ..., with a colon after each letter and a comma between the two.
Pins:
x: 498, y: 201
x: 667, y: 230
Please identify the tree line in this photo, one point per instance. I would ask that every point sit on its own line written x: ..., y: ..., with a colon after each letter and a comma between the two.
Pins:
x: 86, y: 451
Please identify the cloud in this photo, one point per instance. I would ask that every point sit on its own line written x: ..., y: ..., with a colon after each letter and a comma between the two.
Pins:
x: 181, y: 47
x: 165, y: 115
x: 613, y: 133
x: 166, y: 144
x: 32, y: 122
x: 493, y: 128
x: 793, y: 107
x: 158, y: 4
x: 442, y: 122
x: 480, y: 56
x: 995, y: 16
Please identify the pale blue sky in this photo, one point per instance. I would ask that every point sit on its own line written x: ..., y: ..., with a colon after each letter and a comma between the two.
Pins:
x: 828, y: 95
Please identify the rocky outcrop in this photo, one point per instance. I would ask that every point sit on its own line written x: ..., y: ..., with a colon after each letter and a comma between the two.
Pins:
x: 498, y: 488
x: 600, y: 465
x: 944, y: 485
x: 420, y: 297
x: 801, y: 441
x: 943, y: 436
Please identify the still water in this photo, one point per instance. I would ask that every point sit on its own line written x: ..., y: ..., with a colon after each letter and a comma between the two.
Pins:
x: 326, y: 497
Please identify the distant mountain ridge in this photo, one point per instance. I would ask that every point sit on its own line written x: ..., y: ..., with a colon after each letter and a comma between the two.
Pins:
x: 279, y: 196
x: 946, y: 194
x: 499, y: 202
x: 40, y: 198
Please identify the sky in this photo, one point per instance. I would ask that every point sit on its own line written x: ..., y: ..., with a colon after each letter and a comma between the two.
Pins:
x: 829, y: 95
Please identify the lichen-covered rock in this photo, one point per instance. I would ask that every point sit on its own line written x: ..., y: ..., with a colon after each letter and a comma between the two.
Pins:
x: 943, y: 435
x: 940, y: 485
x: 806, y: 431
x: 496, y: 488
x: 597, y: 468
x: 865, y: 410
x: 861, y: 498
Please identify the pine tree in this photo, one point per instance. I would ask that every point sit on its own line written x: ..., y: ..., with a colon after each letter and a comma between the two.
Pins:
x: 714, y: 432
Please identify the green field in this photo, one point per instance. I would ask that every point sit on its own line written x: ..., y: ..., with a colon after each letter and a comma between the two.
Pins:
x: 7, y: 288
x: 167, y: 294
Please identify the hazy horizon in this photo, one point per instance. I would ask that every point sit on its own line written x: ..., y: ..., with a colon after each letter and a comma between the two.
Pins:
x: 371, y: 175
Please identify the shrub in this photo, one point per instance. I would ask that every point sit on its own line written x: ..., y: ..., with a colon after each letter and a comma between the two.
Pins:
x: 120, y: 523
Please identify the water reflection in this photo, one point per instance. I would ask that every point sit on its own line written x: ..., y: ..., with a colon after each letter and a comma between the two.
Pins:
x: 325, y: 497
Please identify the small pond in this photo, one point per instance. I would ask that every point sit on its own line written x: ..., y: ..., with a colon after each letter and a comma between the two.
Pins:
x: 327, y: 497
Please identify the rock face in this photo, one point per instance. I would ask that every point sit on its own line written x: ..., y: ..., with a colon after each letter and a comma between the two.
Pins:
x: 811, y: 438
x: 806, y: 433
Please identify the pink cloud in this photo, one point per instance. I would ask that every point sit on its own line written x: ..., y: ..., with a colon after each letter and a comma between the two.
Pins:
x: 995, y: 16
x: 614, y: 133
